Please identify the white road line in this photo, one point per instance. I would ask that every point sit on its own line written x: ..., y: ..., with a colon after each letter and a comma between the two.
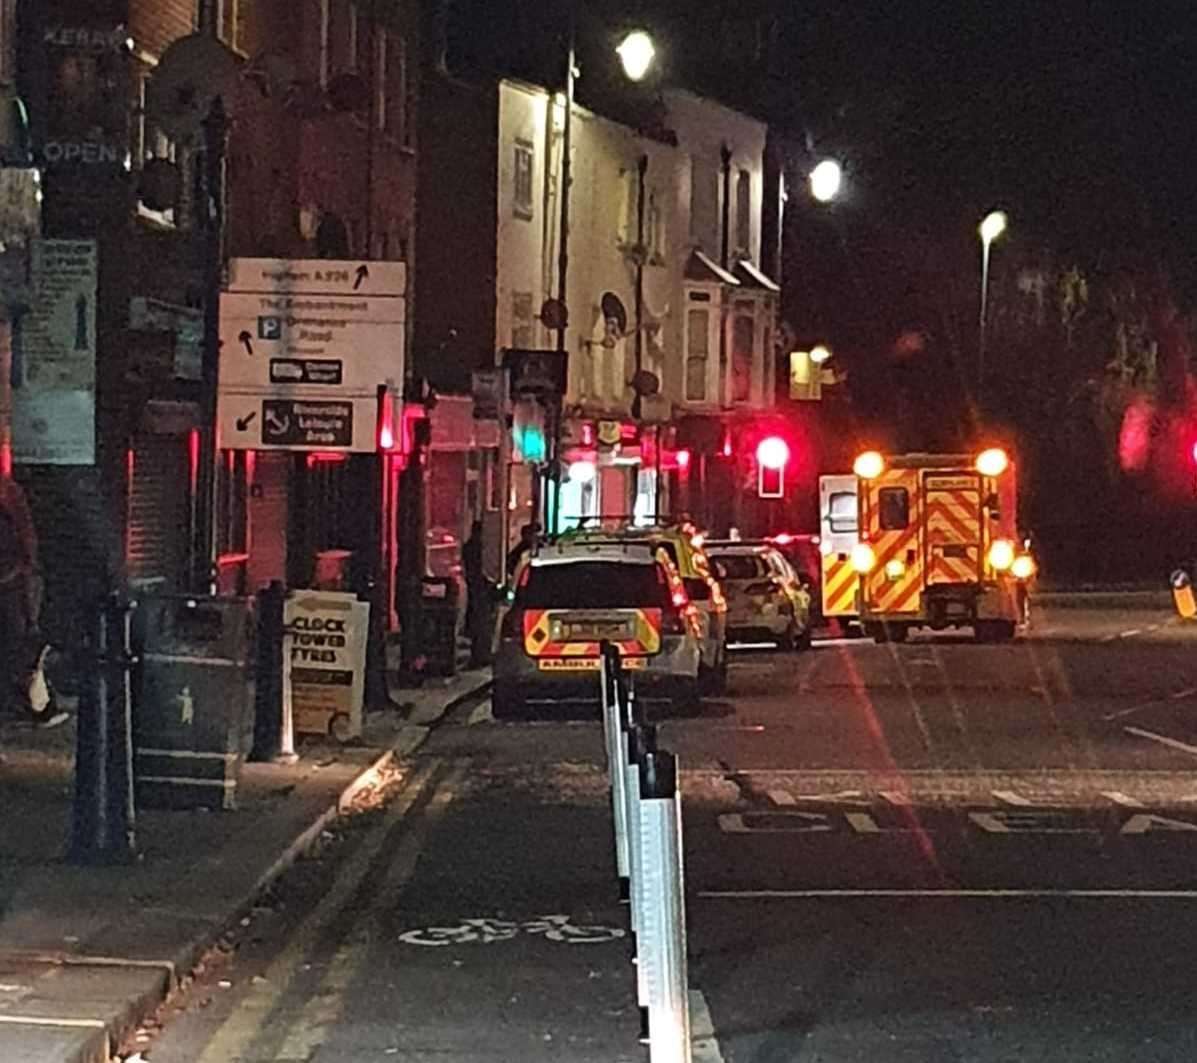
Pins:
x: 1125, y: 800
x: 980, y: 894
x: 704, y: 1047
x: 1188, y: 692
x: 1009, y: 797
x: 896, y: 797
x: 1131, y: 633
x: 44, y: 1020
x: 788, y: 800
x: 782, y: 797
x: 1164, y: 740
x: 482, y: 714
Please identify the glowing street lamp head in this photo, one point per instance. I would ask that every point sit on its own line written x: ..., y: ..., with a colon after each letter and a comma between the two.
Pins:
x: 820, y: 353
x: 636, y: 52
x: 992, y: 226
x: 825, y: 180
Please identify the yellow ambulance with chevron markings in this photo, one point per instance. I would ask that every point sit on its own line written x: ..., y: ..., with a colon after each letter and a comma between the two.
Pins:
x: 939, y: 545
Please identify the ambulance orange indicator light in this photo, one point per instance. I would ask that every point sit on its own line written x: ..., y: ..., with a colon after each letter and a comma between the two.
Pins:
x: 869, y: 465
x: 1001, y: 554
x: 992, y: 462
x: 1023, y: 567
x: 863, y: 558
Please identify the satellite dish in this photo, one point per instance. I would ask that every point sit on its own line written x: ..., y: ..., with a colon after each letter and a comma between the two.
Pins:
x: 194, y: 71
x: 614, y: 312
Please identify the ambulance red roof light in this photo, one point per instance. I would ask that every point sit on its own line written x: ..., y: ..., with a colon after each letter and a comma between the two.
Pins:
x: 869, y: 465
x: 992, y: 462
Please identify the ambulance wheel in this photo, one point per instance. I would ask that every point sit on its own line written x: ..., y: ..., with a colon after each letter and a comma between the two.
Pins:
x: 994, y: 630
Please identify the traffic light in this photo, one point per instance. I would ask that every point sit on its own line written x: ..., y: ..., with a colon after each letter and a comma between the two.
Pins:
x: 772, y: 456
x: 528, y: 435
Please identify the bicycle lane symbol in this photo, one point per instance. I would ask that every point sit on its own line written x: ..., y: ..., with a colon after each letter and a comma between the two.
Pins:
x: 485, y: 931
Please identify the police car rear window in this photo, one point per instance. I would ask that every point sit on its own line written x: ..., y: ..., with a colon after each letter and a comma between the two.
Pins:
x: 594, y: 585
x: 740, y: 566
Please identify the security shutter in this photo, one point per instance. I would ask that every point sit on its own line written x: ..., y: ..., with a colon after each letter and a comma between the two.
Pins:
x: 159, y: 512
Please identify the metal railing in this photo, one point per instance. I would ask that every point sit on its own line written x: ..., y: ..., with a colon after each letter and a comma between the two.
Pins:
x: 647, y: 814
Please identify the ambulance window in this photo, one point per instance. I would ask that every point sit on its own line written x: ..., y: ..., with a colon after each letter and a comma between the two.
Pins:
x: 893, y: 508
x: 841, y: 512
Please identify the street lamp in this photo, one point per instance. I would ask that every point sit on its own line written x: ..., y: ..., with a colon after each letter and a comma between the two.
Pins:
x: 992, y: 226
x: 820, y: 353
x: 636, y: 53
x: 825, y: 180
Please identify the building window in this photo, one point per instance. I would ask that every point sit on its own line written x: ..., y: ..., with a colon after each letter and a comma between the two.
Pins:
x: 521, y: 319
x: 743, y: 336
x: 394, y: 87
x: 232, y: 503
x: 8, y: 42
x: 893, y: 508
x: 325, y: 41
x: 698, y: 347
x: 655, y: 227
x: 704, y: 206
x: 525, y: 156
x: 744, y: 213
x: 234, y: 18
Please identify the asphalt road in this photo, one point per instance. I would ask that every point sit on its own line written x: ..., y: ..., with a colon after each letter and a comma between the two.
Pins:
x: 928, y: 852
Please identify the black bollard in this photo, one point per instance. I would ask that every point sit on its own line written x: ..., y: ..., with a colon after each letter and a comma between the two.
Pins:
x: 268, y: 686
x: 103, y: 820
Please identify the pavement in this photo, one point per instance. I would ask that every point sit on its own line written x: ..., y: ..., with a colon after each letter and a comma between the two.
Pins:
x: 87, y: 953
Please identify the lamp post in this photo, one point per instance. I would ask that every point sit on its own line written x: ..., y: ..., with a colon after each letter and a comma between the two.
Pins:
x: 992, y: 226
x: 636, y: 53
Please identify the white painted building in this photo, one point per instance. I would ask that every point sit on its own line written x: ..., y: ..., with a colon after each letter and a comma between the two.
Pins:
x: 708, y: 318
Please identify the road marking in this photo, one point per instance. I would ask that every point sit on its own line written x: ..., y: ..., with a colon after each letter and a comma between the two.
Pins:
x: 43, y: 1020
x: 237, y: 1033
x: 897, y: 797
x: 1178, y: 695
x: 482, y: 714
x: 1125, y: 800
x: 782, y: 797
x: 1009, y: 797
x: 981, y: 894
x: 704, y: 1046
x: 1171, y: 743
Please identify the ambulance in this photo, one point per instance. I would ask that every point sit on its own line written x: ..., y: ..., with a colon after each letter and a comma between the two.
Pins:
x: 939, y: 545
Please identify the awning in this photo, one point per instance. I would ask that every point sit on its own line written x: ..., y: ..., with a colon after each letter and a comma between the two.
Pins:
x: 701, y: 267
x: 751, y: 277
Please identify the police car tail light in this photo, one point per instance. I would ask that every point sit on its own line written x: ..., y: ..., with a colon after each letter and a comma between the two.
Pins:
x: 1001, y: 554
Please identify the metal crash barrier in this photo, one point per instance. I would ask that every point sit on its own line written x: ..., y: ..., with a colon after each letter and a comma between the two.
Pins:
x: 647, y: 815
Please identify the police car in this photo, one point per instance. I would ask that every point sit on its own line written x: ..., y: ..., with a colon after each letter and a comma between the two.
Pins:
x: 569, y: 598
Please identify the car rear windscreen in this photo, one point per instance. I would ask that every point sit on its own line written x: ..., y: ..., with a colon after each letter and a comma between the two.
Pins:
x: 593, y: 585
x: 739, y: 566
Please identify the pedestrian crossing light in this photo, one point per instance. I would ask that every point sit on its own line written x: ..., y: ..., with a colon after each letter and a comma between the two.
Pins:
x: 772, y: 456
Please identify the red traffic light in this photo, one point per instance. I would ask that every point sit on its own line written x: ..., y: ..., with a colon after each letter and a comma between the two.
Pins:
x: 773, y: 452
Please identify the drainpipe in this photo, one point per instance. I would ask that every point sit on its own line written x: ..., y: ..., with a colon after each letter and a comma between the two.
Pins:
x: 726, y: 155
